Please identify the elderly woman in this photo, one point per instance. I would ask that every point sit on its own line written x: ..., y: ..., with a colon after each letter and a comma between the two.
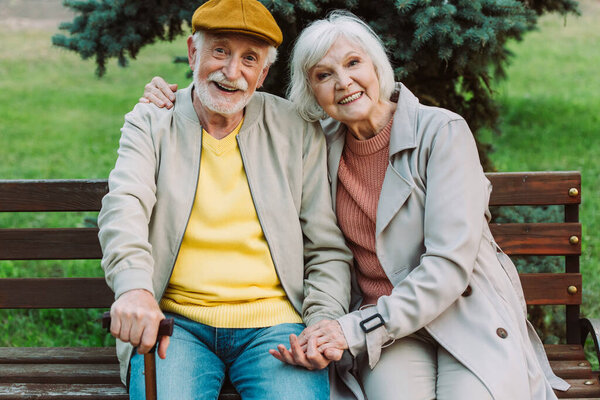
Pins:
x: 439, y: 310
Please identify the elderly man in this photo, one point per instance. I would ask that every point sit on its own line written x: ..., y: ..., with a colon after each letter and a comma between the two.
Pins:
x: 219, y: 215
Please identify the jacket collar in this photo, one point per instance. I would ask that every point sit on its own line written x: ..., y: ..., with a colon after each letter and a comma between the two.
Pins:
x: 404, y: 127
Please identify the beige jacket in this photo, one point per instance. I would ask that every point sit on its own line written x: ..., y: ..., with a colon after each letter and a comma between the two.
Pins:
x: 153, y: 184
x: 449, y: 276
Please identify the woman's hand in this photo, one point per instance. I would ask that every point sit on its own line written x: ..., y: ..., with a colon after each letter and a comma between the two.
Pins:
x: 329, y: 336
x: 315, y: 348
x: 159, y: 92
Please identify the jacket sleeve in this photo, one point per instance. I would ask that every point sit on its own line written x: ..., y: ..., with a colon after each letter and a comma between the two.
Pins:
x: 327, y: 259
x: 126, y: 209
x: 455, y: 202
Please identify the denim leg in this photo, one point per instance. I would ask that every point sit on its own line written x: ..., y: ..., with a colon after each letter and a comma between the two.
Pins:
x: 257, y: 375
x: 190, y: 371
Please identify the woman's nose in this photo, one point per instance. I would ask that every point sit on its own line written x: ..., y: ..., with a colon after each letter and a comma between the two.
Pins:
x: 343, y: 81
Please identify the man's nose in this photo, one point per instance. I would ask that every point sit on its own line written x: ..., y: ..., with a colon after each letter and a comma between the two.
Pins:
x: 232, y: 70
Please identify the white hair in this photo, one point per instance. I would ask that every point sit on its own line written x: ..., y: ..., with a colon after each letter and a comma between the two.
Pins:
x: 312, y: 45
x: 198, y: 39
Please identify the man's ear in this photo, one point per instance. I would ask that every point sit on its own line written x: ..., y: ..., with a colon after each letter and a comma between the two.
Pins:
x: 263, y: 76
x: 192, y: 52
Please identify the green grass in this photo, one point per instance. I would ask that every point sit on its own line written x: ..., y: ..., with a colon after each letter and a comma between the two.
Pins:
x: 551, y: 120
x: 57, y: 120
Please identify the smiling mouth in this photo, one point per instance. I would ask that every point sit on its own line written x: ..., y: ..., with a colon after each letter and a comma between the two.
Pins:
x: 226, y: 88
x: 350, y: 98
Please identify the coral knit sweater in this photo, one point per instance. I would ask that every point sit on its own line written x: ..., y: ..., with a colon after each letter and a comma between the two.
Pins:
x: 360, y: 178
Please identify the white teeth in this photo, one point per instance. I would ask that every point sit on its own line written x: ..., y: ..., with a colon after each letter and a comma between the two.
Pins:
x: 351, y: 98
x: 226, y: 88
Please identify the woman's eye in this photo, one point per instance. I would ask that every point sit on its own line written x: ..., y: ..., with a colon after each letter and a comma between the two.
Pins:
x: 353, y: 62
x: 322, y: 76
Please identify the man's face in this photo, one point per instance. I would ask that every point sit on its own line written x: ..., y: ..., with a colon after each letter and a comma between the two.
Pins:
x: 227, y: 70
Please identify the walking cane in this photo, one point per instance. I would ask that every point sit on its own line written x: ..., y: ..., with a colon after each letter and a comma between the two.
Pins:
x: 164, y: 329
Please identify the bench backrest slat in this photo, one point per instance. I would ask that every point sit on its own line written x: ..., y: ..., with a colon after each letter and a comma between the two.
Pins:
x: 534, y: 188
x: 52, y: 195
x: 538, y: 239
x: 551, y: 289
x: 49, y: 244
x: 55, y: 293
x: 512, y: 189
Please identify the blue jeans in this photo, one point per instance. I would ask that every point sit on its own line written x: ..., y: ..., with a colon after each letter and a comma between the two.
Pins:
x: 199, y: 356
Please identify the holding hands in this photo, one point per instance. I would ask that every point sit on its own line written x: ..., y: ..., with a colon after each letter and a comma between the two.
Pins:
x: 316, y: 347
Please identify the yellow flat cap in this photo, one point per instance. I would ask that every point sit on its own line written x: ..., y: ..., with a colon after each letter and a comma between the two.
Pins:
x: 249, y: 17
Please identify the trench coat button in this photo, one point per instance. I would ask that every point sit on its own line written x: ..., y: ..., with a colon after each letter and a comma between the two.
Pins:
x: 467, y: 291
x: 501, y: 332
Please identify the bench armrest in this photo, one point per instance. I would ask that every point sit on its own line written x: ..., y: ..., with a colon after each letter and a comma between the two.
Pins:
x: 591, y: 326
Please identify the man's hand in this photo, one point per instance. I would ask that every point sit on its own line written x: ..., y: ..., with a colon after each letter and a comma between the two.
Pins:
x: 309, y: 358
x: 135, y: 317
x: 159, y: 92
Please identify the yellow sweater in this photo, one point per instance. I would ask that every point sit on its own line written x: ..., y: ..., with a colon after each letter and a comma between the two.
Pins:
x: 224, y: 275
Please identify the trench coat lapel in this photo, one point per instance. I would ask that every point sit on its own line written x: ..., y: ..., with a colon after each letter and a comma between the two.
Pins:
x: 398, y: 183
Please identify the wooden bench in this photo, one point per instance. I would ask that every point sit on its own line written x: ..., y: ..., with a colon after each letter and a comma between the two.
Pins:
x: 70, y: 373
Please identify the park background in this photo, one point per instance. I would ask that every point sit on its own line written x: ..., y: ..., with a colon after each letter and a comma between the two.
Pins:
x: 59, y: 120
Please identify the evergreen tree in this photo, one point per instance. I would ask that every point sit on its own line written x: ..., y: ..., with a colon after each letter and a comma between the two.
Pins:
x: 445, y: 51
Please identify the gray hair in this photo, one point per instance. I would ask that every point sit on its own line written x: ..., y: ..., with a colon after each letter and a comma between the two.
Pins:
x: 198, y: 39
x: 312, y: 45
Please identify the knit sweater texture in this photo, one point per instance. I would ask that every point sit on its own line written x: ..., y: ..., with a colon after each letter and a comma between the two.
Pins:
x: 361, y: 173
x: 224, y: 275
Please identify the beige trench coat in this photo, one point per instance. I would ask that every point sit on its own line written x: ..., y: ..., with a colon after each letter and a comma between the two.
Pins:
x: 433, y: 242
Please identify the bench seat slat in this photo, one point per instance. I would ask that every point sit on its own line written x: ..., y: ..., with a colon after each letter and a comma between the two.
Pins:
x: 557, y: 352
x: 538, y: 239
x: 534, y: 188
x: 50, y: 244
x: 551, y: 289
x: 55, y: 293
x: 58, y: 355
x: 52, y: 195
x: 573, y: 369
x: 40, y: 391
x: 59, y: 373
x: 581, y: 389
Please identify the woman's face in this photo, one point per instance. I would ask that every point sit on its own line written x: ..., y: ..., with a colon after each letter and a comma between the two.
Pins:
x: 345, y: 83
